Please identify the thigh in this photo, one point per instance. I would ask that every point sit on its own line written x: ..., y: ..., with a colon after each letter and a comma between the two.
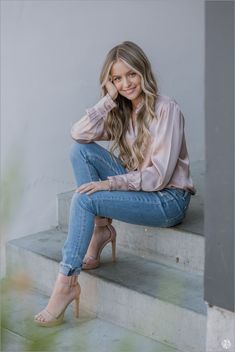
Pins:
x: 163, y: 208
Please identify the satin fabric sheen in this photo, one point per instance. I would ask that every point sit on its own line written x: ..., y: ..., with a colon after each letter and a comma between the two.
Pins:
x: 166, y: 163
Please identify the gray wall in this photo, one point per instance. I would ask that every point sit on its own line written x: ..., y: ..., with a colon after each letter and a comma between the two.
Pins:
x: 51, y: 55
x: 219, y: 206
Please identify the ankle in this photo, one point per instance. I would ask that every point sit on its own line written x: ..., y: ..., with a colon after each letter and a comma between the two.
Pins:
x: 68, y: 281
x: 102, y: 221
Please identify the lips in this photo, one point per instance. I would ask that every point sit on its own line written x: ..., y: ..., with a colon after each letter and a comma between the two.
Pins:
x: 129, y: 91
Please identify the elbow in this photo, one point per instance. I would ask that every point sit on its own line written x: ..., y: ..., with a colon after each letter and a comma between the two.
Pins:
x: 73, y: 134
x: 82, y: 141
x: 76, y: 137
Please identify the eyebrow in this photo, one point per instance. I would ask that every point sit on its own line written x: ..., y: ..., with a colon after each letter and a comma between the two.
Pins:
x: 119, y: 75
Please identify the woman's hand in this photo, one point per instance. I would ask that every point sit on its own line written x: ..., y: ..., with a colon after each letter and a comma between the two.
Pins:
x: 92, y: 187
x: 111, y: 89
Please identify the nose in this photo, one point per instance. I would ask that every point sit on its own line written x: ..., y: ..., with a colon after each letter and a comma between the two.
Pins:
x: 126, y: 83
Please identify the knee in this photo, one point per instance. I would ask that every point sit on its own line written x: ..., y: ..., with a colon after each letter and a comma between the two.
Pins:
x: 84, y: 201
x: 75, y: 150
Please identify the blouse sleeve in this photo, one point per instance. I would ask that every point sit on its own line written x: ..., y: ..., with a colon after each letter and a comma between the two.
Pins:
x: 91, y: 126
x: 164, y: 156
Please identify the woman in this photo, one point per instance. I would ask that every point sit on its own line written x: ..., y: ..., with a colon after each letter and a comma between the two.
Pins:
x: 148, y: 183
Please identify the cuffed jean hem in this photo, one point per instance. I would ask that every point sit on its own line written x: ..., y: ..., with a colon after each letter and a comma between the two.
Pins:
x: 67, y: 269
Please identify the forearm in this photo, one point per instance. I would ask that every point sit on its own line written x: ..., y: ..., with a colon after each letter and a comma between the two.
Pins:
x: 91, y: 126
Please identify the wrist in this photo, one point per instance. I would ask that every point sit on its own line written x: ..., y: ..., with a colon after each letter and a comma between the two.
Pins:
x: 109, y: 184
x: 111, y: 98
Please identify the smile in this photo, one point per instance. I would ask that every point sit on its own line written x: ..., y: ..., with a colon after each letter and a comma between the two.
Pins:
x: 129, y: 91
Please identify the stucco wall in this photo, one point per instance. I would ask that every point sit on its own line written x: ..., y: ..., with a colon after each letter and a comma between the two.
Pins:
x: 51, y: 56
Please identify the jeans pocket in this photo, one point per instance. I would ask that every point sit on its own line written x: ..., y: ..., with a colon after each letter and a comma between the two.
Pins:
x: 180, y: 198
x: 184, y: 197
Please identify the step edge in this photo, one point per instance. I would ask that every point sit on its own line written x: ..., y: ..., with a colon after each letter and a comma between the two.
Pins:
x: 113, y: 282
x: 16, y: 242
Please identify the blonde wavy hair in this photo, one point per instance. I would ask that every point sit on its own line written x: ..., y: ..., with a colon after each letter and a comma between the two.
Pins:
x: 117, y: 121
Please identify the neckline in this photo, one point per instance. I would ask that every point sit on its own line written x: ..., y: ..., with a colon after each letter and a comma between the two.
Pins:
x: 139, y: 106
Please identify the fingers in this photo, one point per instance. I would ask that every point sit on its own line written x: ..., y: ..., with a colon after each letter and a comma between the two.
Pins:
x: 88, y: 188
x: 94, y: 186
x: 92, y: 191
x: 106, y: 80
x: 85, y: 187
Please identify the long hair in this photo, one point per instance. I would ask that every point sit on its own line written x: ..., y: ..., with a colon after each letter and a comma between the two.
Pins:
x: 117, y: 121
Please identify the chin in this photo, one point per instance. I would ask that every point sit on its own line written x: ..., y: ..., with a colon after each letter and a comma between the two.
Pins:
x: 135, y: 96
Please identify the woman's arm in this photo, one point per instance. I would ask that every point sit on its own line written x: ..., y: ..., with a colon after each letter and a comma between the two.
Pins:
x: 91, y: 126
x: 165, y: 153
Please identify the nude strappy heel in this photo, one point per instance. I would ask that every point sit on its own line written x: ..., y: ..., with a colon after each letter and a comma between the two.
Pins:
x: 91, y: 262
x: 50, y: 319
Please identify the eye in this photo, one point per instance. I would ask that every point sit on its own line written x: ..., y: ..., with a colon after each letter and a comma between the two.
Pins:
x: 132, y: 74
x: 117, y: 79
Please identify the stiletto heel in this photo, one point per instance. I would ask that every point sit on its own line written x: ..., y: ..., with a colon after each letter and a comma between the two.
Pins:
x: 114, y: 249
x: 76, y: 307
x: 91, y: 262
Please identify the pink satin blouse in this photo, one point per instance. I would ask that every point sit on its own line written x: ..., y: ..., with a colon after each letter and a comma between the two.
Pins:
x: 166, y: 163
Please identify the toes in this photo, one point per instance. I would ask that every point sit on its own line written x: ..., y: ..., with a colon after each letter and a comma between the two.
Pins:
x: 39, y: 317
x: 42, y: 318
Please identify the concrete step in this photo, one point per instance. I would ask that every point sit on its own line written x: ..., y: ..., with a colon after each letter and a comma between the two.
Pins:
x: 179, y: 245
x: 83, y: 334
x: 147, y: 297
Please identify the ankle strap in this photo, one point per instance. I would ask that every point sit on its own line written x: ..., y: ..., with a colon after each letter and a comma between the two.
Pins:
x: 99, y: 221
x: 69, y: 280
x: 73, y: 280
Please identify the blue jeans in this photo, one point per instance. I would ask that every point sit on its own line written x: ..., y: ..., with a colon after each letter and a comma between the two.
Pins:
x: 91, y: 162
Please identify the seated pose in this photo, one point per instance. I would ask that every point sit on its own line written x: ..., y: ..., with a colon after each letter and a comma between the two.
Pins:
x: 147, y: 182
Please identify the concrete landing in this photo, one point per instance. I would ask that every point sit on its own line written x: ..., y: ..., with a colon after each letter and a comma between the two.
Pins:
x: 87, y: 333
x: 139, y: 274
x: 150, y: 298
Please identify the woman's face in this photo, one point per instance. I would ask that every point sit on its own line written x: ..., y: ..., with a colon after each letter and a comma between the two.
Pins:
x: 127, y: 82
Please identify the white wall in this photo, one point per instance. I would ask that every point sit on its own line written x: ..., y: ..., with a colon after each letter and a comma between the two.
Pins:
x: 51, y: 56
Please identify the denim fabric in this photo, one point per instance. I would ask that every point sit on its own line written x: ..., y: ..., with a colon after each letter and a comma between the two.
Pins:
x: 91, y: 162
